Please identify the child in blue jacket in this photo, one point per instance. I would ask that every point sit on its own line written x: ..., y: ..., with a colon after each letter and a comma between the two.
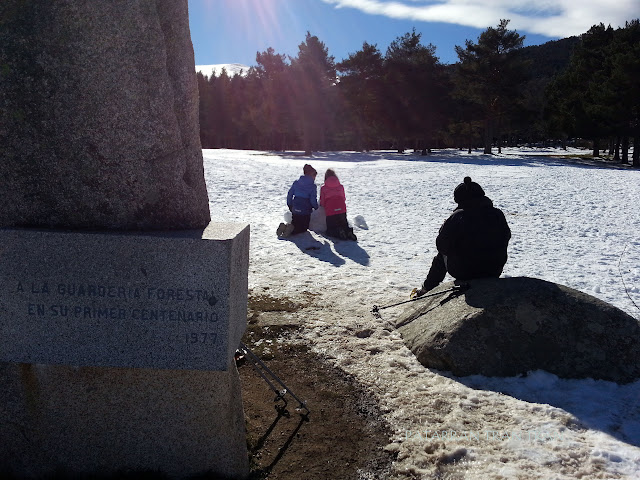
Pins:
x: 302, y: 199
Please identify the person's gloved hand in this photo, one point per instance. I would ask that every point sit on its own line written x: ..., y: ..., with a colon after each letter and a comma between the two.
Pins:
x: 417, y: 292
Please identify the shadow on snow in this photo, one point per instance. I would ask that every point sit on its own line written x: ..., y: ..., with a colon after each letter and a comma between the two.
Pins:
x: 316, y: 249
x: 596, y: 404
x: 351, y: 250
x: 534, y: 158
x: 321, y: 249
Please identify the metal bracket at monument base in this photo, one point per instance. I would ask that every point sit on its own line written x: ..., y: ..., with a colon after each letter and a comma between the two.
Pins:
x: 271, y: 378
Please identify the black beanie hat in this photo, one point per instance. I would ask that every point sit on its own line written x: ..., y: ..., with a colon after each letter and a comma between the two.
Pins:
x: 467, y: 190
x: 309, y: 170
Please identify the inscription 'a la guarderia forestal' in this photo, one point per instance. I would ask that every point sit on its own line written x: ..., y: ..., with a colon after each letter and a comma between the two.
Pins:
x: 173, y: 304
x: 124, y: 300
x: 111, y: 291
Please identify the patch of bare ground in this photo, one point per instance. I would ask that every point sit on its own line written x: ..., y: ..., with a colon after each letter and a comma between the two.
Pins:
x: 342, y: 436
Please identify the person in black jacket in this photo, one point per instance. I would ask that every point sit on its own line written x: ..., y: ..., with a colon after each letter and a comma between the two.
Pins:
x: 472, y: 242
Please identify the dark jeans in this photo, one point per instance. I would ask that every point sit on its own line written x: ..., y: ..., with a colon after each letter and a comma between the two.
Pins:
x: 300, y: 223
x: 336, y: 224
x: 484, y: 267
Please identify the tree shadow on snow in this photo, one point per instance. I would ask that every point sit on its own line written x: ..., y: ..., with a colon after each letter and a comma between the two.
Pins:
x: 595, y: 404
x: 552, y: 157
x: 337, y: 157
x: 316, y: 249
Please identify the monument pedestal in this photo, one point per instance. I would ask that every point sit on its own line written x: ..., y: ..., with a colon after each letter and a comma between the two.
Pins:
x: 118, y: 351
x: 105, y: 420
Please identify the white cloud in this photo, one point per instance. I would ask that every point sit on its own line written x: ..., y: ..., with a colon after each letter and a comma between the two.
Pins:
x: 559, y: 18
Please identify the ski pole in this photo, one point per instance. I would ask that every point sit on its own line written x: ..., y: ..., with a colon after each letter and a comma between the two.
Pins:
x: 376, y: 309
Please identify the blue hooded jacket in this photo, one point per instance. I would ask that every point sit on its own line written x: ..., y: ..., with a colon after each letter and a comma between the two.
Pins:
x: 303, y: 196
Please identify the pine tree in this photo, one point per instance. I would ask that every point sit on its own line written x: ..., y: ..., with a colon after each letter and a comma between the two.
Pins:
x: 586, y: 97
x: 221, y: 109
x: 275, y: 114
x: 623, y: 87
x: 314, y: 76
x: 489, y: 74
x: 414, y: 91
x: 361, y: 92
x: 205, y: 111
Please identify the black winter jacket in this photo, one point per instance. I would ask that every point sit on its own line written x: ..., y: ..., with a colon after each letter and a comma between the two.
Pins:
x: 474, y: 240
x: 472, y: 243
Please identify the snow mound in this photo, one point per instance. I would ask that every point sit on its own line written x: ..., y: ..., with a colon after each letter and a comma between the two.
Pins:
x: 318, y: 222
x: 360, y: 222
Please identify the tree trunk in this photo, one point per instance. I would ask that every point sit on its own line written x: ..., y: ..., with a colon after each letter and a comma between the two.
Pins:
x: 625, y: 150
x: 636, y: 148
x: 616, y: 155
x: 596, y: 147
x: 488, y: 136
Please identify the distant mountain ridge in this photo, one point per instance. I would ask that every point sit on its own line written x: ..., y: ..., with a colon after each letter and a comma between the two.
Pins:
x: 550, y: 58
x: 231, y: 68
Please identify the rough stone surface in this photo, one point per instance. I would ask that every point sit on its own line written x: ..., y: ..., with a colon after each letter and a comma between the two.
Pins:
x: 99, y: 116
x: 171, y: 300
x: 510, y: 326
x: 60, y: 421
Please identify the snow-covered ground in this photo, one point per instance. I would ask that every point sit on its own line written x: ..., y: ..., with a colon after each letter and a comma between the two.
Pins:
x: 574, y: 224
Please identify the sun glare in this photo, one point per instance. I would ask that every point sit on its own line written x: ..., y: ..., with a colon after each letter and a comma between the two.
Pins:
x: 260, y: 24
x: 258, y: 21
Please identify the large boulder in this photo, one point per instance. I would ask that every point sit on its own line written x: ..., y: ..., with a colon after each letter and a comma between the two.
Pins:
x: 99, y: 116
x: 510, y: 326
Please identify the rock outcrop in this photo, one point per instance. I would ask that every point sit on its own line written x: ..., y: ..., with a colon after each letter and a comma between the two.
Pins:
x: 99, y: 116
x: 510, y: 326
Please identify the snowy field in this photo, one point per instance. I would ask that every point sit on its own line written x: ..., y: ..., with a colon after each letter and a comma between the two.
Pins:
x: 572, y: 223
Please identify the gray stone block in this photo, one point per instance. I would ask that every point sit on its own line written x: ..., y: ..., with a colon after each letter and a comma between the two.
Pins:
x: 172, y: 300
x: 511, y: 326
x: 75, y: 306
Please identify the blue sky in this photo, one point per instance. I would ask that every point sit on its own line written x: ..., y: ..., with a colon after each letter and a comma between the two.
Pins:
x: 233, y: 31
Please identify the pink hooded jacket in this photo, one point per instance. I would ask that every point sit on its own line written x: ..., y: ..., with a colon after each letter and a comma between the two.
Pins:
x: 332, y: 197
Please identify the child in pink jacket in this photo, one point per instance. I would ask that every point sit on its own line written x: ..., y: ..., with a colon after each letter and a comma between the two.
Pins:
x: 333, y: 199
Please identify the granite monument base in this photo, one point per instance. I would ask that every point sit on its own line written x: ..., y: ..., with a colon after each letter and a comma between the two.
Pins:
x: 117, y: 351
x: 96, y: 420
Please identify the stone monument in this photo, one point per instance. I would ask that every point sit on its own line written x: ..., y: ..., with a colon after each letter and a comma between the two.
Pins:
x: 121, y: 305
x: 99, y: 116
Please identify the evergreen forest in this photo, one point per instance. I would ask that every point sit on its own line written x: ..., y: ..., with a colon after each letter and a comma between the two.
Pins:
x: 582, y: 90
